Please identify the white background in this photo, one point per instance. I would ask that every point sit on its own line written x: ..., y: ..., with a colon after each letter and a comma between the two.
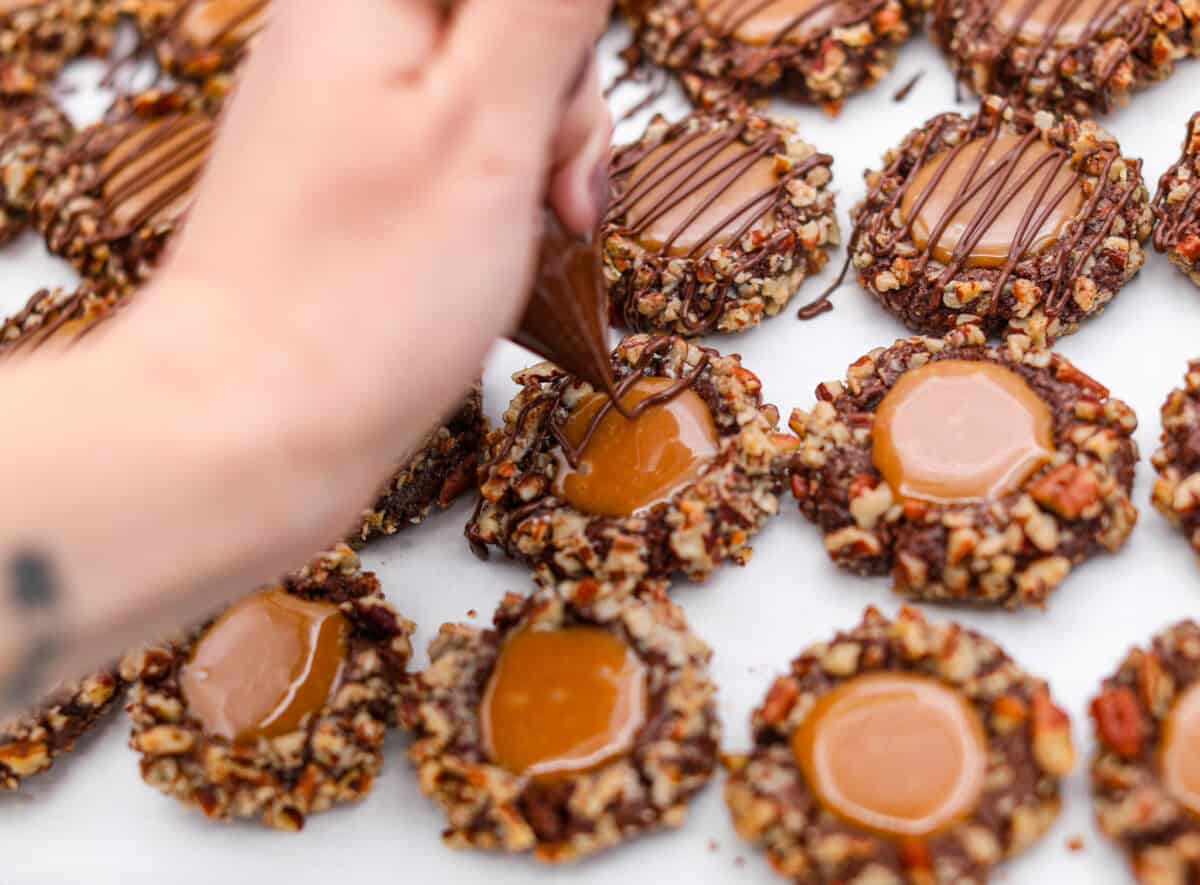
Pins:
x: 92, y: 820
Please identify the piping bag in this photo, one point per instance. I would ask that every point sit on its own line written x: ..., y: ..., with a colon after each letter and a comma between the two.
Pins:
x: 566, y: 317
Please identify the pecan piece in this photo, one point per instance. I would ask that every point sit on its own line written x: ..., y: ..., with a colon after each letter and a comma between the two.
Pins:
x: 1068, y: 490
x: 1119, y: 721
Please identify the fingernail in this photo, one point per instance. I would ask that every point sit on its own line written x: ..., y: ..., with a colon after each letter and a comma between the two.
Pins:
x: 600, y: 188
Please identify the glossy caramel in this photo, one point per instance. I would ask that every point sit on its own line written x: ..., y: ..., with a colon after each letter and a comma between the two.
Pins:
x: 629, y: 465
x: 761, y: 22
x: 1059, y: 22
x: 901, y: 755
x: 265, y: 665
x: 562, y: 701
x: 699, y: 194
x: 944, y: 176
x: 960, y: 430
x: 1180, y: 757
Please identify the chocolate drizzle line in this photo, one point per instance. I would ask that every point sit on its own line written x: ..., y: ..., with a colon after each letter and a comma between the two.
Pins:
x: 904, y: 91
x: 999, y: 191
x: 1171, y: 223
x: 681, y: 138
x: 73, y: 308
x: 984, y: 17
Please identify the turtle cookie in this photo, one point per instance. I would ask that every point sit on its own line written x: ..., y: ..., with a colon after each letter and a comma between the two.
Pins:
x: 1069, y: 56
x: 716, y: 222
x: 970, y: 473
x: 443, y: 469
x: 1007, y: 219
x: 33, y: 134
x: 586, y: 717
x: 1177, y: 207
x: 678, y: 480
x: 1177, y: 489
x: 126, y: 183
x: 201, y: 40
x: 812, y: 51
x: 901, y: 751
x: 277, y: 708
x: 1146, y: 771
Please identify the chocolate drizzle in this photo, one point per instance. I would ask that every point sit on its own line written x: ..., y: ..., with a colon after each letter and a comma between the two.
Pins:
x: 686, y: 165
x: 1172, y: 221
x: 86, y: 307
x: 177, y: 28
x: 999, y: 192
x: 982, y: 18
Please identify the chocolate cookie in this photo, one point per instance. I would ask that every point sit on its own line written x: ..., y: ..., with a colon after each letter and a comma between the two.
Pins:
x: 223, y: 721
x: 442, y: 470
x: 971, y: 473
x: 1145, y: 780
x: 33, y: 133
x: 31, y: 742
x: 901, y: 751
x: 200, y: 40
x: 679, y: 488
x: 1009, y: 220
x: 715, y: 223
x: 1068, y: 56
x: 1177, y: 207
x: 61, y: 315
x: 39, y: 37
x: 584, y: 718
x: 813, y: 51
x: 125, y: 184
x: 1177, y: 489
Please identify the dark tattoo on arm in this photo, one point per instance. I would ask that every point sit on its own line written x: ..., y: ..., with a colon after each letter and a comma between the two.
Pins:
x: 32, y: 595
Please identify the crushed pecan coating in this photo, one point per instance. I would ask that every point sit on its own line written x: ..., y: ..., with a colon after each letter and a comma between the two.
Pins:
x: 444, y: 468
x: 1044, y: 295
x: 719, y: 286
x: 38, y: 38
x: 820, y: 64
x: 1177, y: 488
x: 704, y: 524
x: 332, y: 759
x: 1012, y: 551
x: 1177, y: 206
x: 30, y: 743
x: 1134, y: 807
x: 1029, y: 752
x: 33, y: 134
x: 673, y: 755
x: 1136, y: 46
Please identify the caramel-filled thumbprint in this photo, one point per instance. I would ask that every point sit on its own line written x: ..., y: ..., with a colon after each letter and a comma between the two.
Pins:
x: 994, y: 200
x: 1055, y: 22
x: 212, y: 22
x: 700, y: 192
x: 265, y: 665
x: 1181, y: 750
x: 763, y: 22
x: 901, y: 755
x: 956, y: 431
x: 628, y: 465
x: 563, y: 701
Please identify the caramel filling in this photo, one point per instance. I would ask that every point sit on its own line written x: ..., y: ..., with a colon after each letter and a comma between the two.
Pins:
x: 562, y: 701
x: 699, y: 192
x: 992, y: 199
x: 960, y: 430
x: 1181, y: 750
x: 148, y: 177
x: 1057, y: 22
x: 761, y: 22
x: 265, y: 665
x: 212, y: 22
x: 901, y: 755
x: 629, y: 465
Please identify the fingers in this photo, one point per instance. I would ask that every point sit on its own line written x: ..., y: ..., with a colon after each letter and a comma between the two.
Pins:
x: 579, y: 182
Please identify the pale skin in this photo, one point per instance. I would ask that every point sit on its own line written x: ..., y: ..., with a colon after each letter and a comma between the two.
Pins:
x: 365, y: 231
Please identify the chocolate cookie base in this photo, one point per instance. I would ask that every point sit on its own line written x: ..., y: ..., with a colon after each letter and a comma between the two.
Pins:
x: 1012, y: 551
x: 673, y: 755
x: 704, y: 524
x: 1046, y: 295
x: 1029, y: 752
x: 1177, y: 489
x: 335, y: 755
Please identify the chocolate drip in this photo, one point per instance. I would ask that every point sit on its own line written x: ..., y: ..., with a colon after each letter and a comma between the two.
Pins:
x: 999, y: 191
x: 1172, y: 222
x: 686, y: 167
x: 984, y: 18
x: 906, y: 90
